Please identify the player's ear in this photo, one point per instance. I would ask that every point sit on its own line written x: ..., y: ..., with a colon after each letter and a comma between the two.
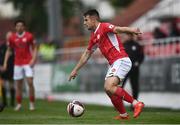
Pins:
x: 93, y: 18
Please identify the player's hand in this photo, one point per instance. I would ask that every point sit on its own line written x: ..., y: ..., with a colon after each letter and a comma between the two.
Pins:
x: 137, y: 31
x: 72, y: 75
x: 32, y: 63
x: 3, y: 68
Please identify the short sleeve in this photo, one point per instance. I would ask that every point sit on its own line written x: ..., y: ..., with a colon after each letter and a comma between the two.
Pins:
x: 31, y: 39
x: 92, y: 46
x: 10, y: 42
x: 107, y: 27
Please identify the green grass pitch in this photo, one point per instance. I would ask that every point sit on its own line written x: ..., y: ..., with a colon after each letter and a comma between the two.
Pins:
x: 55, y: 113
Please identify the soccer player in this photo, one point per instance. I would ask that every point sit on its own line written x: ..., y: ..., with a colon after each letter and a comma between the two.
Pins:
x: 7, y: 76
x: 25, y: 50
x: 104, y: 36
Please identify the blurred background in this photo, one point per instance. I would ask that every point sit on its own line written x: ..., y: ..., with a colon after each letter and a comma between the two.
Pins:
x: 58, y: 29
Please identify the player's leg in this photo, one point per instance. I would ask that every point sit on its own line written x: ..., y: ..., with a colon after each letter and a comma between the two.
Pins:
x: 19, y: 89
x: 10, y: 72
x: 31, y: 93
x: 124, y: 68
x: 29, y: 76
x: 1, y: 104
x: 110, y: 87
x: 18, y: 79
x: 119, y: 106
x: 115, y: 75
x: 118, y: 71
x: 4, y: 92
x: 125, y: 80
x: 134, y: 80
x: 12, y: 92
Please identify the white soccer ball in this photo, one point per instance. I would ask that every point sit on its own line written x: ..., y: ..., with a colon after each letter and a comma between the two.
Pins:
x: 75, y: 108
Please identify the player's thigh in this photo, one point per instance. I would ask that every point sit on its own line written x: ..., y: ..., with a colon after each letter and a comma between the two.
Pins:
x: 11, y: 83
x: 19, y: 84
x: 110, y: 82
x: 29, y: 71
x: 18, y: 73
x: 119, y: 68
x: 29, y: 81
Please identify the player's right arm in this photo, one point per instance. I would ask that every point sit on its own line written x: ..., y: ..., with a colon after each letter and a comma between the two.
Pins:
x: 84, y: 58
x: 118, y: 29
x: 7, y: 55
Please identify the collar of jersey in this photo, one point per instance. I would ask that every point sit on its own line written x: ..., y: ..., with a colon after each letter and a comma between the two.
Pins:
x: 21, y: 34
x: 97, y: 28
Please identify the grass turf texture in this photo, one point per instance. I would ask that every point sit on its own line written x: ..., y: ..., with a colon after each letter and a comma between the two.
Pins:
x: 55, y: 113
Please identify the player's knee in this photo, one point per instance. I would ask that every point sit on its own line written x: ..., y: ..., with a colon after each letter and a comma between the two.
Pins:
x: 30, y: 84
x: 108, y: 87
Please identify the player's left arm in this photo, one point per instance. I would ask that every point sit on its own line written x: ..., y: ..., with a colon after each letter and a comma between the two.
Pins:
x: 84, y: 58
x: 6, y: 58
x: 34, y: 47
x: 118, y: 29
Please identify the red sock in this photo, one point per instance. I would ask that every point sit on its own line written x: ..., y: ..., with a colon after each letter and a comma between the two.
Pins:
x: 31, y: 98
x: 18, y: 99
x: 118, y: 104
x: 120, y: 92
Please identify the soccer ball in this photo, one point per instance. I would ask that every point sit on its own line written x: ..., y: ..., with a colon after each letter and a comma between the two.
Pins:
x: 75, y: 108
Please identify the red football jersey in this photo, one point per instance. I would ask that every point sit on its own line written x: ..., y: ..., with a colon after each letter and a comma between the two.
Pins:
x: 108, y: 42
x: 22, y: 47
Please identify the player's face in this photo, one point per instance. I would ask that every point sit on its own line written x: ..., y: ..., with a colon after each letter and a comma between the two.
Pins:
x: 89, y: 22
x: 19, y: 27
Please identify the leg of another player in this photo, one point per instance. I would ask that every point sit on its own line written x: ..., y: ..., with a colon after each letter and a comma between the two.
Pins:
x: 125, y: 80
x: 31, y: 93
x: 19, y: 86
x: 4, y: 93
x: 12, y: 92
x: 134, y: 80
x: 112, y: 88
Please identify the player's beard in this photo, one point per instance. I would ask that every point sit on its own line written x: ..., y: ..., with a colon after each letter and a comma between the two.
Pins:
x: 89, y: 28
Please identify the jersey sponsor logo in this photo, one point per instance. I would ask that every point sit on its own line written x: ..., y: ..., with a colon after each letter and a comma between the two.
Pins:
x: 24, y: 40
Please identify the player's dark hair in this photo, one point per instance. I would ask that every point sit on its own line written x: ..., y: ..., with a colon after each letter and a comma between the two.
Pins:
x: 19, y: 21
x: 92, y: 12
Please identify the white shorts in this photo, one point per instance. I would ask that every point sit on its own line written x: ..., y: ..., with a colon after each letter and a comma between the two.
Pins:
x: 21, y: 71
x: 119, y: 68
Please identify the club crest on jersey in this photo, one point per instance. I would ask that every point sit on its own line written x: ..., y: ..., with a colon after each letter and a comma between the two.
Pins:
x: 24, y: 40
x: 111, y: 26
x: 113, y: 70
x: 98, y: 37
